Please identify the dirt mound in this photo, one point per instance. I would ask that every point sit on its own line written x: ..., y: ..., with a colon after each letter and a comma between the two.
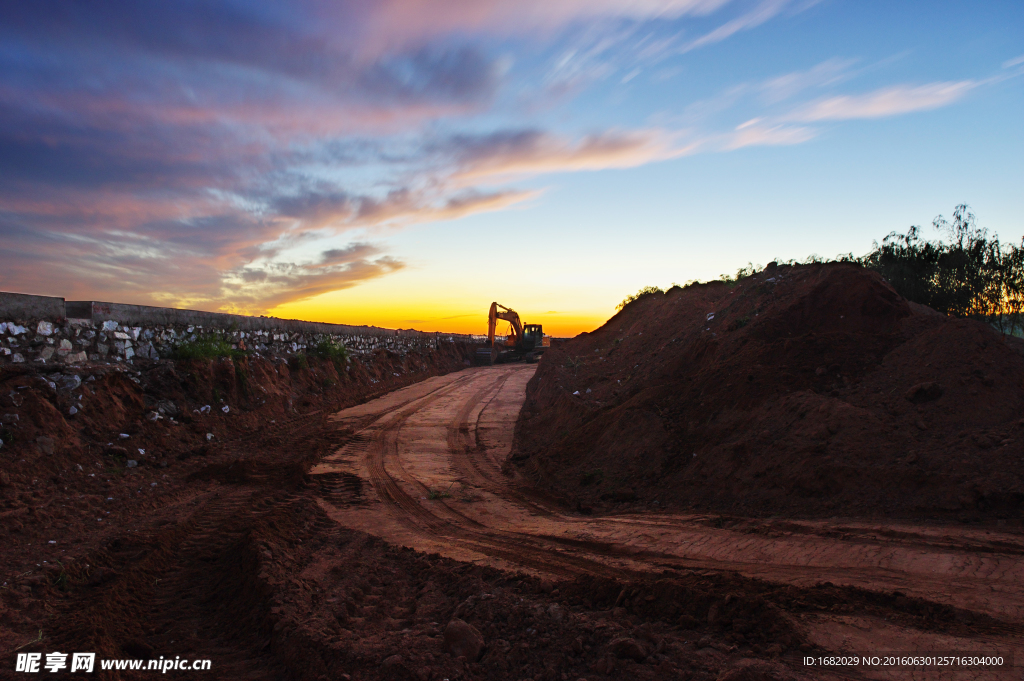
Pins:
x: 810, y: 390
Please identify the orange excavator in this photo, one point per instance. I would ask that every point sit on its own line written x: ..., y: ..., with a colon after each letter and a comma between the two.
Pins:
x: 524, y: 342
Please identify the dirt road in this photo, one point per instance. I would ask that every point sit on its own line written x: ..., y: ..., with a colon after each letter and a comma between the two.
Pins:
x: 423, y: 468
x: 262, y: 555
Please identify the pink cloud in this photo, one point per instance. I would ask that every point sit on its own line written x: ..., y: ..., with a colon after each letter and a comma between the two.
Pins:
x: 527, y: 153
x: 891, y: 101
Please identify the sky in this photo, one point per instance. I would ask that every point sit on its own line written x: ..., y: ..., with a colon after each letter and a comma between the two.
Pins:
x: 403, y: 163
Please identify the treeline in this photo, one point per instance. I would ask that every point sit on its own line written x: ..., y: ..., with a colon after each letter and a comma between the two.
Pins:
x: 970, y: 275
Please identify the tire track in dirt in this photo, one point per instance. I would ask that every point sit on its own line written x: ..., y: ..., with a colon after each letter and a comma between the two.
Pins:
x: 805, y: 554
x: 468, y: 454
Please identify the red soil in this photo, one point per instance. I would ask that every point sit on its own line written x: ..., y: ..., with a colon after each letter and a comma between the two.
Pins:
x: 812, y: 390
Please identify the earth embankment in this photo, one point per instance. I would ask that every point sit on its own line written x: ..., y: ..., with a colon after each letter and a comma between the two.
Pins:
x: 813, y: 390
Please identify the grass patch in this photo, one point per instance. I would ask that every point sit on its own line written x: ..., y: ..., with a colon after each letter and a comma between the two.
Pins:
x: 298, y: 361
x: 436, y: 494
x: 328, y: 349
x: 62, y: 580
x: 574, y: 363
x: 205, y: 347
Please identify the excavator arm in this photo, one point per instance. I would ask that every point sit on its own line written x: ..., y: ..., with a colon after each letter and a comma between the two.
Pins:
x: 509, y: 315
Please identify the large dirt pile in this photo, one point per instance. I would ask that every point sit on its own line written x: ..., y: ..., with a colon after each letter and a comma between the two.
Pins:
x: 810, y: 390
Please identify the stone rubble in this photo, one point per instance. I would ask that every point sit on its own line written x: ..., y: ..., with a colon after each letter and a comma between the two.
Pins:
x: 81, y: 341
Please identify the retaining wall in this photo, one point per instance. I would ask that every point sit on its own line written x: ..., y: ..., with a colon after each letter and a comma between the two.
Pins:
x: 44, y: 330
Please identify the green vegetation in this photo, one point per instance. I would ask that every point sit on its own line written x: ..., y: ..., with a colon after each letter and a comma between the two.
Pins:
x: 446, y: 494
x: 574, y: 363
x: 645, y: 291
x: 61, y: 581
x: 973, y: 275
x: 327, y: 349
x: 242, y: 376
x: 298, y: 361
x: 205, y: 347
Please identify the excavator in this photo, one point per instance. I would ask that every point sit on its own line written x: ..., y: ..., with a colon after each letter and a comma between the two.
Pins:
x: 524, y: 342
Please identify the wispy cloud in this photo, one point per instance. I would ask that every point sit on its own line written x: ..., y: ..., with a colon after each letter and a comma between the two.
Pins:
x: 518, y: 153
x: 765, y: 10
x: 829, y: 72
x: 890, y: 101
x: 757, y: 133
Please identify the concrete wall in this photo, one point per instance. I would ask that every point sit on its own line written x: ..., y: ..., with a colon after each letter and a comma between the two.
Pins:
x: 48, y: 330
x: 23, y: 306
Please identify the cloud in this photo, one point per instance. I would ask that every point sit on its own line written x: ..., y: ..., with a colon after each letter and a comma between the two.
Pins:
x: 828, y: 72
x: 756, y: 133
x: 1010, y: 63
x: 513, y: 153
x: 253, y: 291
x: 890, y: 101
x: 319, y: 209
x: 402, y: 21
x: 765, y: 10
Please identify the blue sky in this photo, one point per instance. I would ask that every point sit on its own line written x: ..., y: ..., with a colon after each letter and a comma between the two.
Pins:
x: 403, y: 163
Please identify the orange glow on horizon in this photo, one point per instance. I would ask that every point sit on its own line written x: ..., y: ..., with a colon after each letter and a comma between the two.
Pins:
x: 562, y: 325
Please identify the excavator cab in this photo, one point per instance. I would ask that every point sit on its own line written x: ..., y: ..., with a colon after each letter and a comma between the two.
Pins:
x: 533, y: 336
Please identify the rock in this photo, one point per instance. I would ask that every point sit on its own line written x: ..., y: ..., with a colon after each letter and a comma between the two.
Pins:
x: 924, y: 392
x: 606, y: 666
x: 69, y: 383
x: 687, y: 621
x: 10, y: 418
x: 64, y: 348
x: 110, y: 325
x: 72, y: 411
x: 555, y: 612
x: 44, y: 329
x: 16, y: 358
x: 462, y: 639
x: 545, y: 586
x: 393, y: 662
x: 131, y: 463
x: 45, y: 445
x: 225, y: 409
x: 46, y: 354
x: 628, y: 649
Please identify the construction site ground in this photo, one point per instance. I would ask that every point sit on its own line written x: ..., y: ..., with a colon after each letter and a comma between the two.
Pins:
x: 339, y: 544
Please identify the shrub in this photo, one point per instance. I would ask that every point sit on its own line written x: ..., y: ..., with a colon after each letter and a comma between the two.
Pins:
x: 328, y: 349
x: 205, y: 347
x: 645, y: 291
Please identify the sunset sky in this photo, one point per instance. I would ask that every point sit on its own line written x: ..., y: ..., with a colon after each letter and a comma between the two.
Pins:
x: 403, y: 163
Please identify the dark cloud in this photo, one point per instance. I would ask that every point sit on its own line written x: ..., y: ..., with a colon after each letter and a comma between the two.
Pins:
x: 456, y: 75
x: 341, y: 256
